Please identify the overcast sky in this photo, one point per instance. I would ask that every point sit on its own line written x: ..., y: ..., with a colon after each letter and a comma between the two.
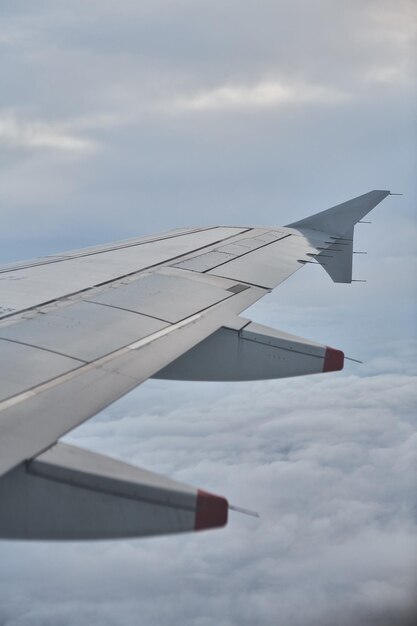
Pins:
x: 126, y: 118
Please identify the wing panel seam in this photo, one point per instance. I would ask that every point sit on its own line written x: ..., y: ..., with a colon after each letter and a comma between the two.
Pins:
x: 32, y: 345
x: 62, y: 257
x: 240, y: 256
x: 12, y: 400
x: 264, y: 343
x: 168, y: 262
x: 122, y: 308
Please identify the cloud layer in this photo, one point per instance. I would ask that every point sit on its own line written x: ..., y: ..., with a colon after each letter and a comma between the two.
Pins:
x: 329, y: 462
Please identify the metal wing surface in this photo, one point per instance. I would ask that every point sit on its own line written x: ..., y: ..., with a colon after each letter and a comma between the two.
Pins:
x: 81, y: 329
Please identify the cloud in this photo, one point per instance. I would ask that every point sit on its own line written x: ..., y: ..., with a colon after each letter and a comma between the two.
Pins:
x: 63, y: 136
x: 398, y: 27
x: 327, y: 461
x: 40, y: 135
x: 261, y: 95
x: 387, y: 74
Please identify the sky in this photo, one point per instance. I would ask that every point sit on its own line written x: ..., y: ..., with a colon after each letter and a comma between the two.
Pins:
x: 125, y: 118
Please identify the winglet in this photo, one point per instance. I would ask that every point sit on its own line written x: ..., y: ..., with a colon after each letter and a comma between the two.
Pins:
x: 341, y: 218
x: 338, y: 225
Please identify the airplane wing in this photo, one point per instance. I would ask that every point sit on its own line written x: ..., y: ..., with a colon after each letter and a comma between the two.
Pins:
x: 81, y: 329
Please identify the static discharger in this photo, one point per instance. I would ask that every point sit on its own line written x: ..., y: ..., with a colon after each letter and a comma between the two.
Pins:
x: 349, y: 358
x: 239, y: 509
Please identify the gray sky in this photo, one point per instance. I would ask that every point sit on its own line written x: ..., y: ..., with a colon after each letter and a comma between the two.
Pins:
x: 124, y: 118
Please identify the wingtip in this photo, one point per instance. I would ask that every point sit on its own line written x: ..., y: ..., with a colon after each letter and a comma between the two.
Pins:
x: 382, y: 192
x: 386, y: 192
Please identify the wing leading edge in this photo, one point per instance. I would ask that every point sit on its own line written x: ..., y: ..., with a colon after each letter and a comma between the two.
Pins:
x: 80, y: 330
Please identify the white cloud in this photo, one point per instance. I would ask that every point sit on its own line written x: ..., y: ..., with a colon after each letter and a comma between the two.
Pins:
x: 389, y: 74
x: 393, y: 24
x: 44, y: 135
x: 259, y: 95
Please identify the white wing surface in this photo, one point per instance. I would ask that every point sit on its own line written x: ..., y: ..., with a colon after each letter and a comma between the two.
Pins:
x: 81, y: 329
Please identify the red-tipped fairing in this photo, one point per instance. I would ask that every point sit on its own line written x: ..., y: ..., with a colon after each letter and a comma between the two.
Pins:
x: 211, y: 511
x: 333, y: 360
